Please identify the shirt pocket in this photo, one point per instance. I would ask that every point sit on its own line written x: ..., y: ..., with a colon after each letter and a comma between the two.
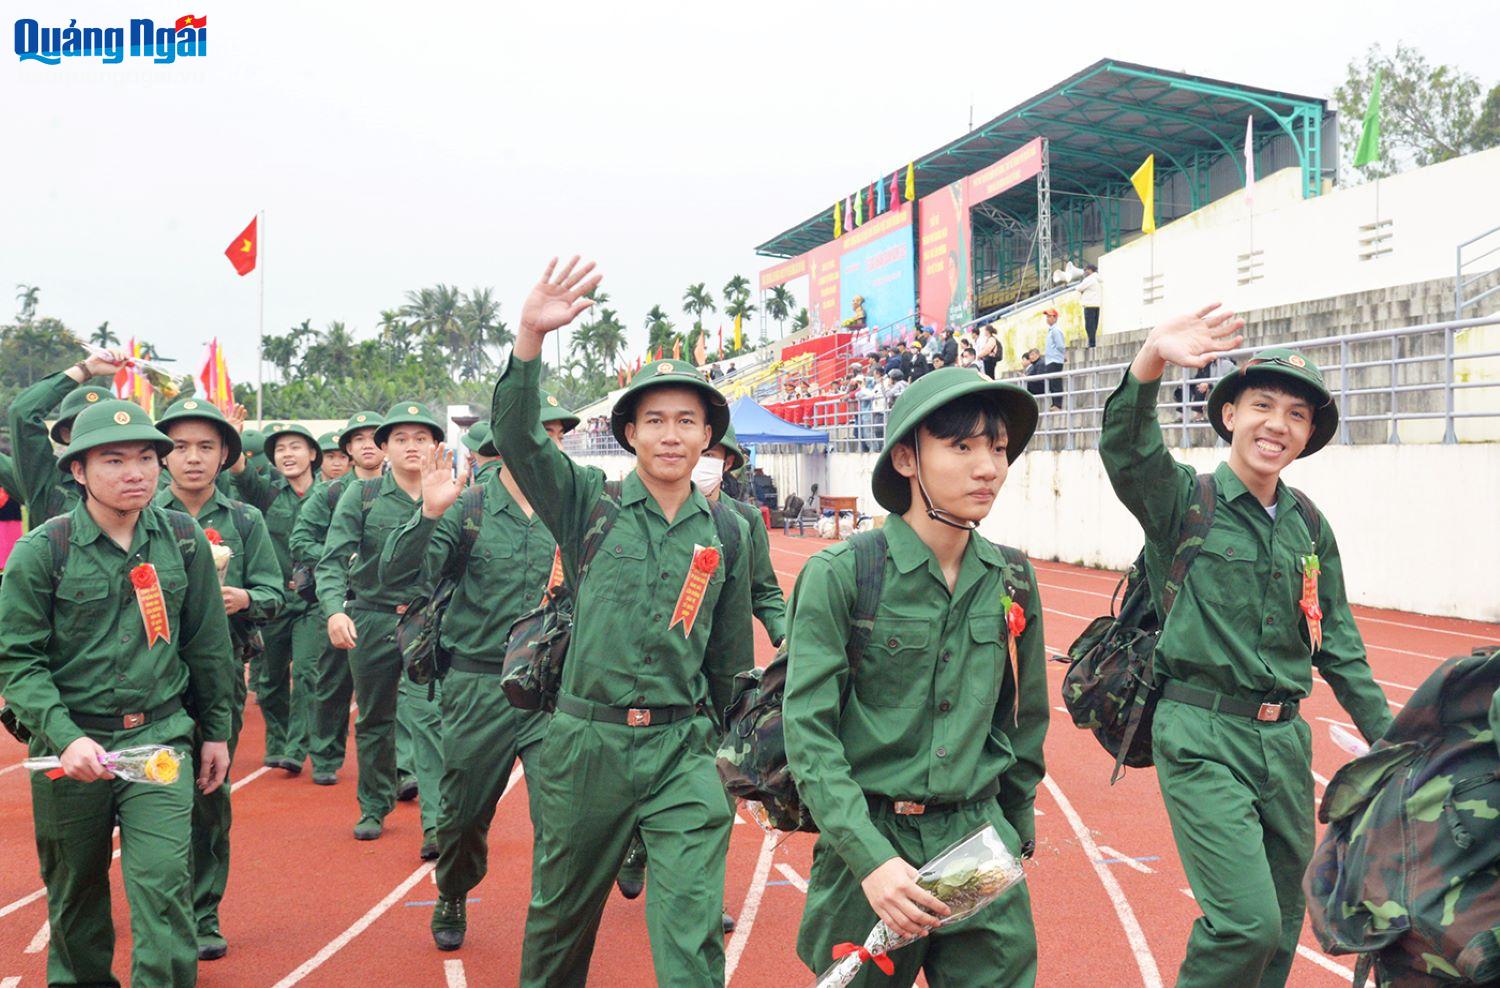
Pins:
x: 988, y: 656
x: 896, y: 670
x: 618, y: 570
x: 79, y: 605
x: 174, y: 584
x: 1225, y: 572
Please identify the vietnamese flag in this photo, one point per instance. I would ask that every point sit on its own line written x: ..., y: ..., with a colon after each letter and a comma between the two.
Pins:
x: 242, y: 252
x: 188, y: 20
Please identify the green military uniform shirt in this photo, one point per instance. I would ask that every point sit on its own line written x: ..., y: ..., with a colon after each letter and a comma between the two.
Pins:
x: 254, y: 567
x: 354, y: 534
x: 933, y: 715
x: 766, y: 599
x: 511, y: 559
x: 623, y: 654
x: 310, y: 533
x: 79, y: 645
x: 1236, y: 626
x: 46, y: 490
x: 281, y: 505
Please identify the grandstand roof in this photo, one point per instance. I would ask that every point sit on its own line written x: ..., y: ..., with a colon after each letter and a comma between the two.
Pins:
x: 1100, y: 124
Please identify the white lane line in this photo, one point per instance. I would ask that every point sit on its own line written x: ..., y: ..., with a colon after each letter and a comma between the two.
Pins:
x: 745, y: 921
x: 237, y: 786
x: 790, y: 874
x: 1346, y: 973
x: 25, y: 900
x: 39, y: 942
x: 1330, y: 720
x: 454, y: 972
x: 1150, y: 976
x: 10, y: 768
x: 360, y: 925
x: 11, y: 982
x: 1125, y: 860
x: 1320, y: 780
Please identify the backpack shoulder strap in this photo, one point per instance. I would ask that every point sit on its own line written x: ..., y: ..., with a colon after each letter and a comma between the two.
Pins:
x: 1015, y: 576
x: 244, y: 521
x: 368, y: 493
x: 333, y: 492
x: 729, y: 533
x: 601, y: 518
x: 870, y: 551
x: 1195, y: 527
x: 470, y: 518
x: 185, y: 530
x: 1310, y: 515
x: 59, y: 529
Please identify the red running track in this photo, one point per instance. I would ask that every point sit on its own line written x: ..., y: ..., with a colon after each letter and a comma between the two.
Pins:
x: 307, y: 905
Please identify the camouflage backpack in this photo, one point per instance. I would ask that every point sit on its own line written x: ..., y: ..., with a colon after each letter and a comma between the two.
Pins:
x: 419, y: 630
x: 538, y: 642
x: 1110, y: 687
x: 1407, y: 874
x: 752, y: 753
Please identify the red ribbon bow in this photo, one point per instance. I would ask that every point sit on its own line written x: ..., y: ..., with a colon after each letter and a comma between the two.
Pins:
x: 213, y: 536
x: 707, y: 560
x: 882, y: 961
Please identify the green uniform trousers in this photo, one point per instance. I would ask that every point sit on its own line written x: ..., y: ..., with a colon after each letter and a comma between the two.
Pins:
x: 286, y: 696
x: 74, y: 822
x: 596, y: 784
x: 328, y: 716
x: 423, y: 720
x: 996, y: 946
x: 1240, y: 797
x: 482, y: 737
x: 384, y: 695
x: 211, y: 821
x: 404, y: 762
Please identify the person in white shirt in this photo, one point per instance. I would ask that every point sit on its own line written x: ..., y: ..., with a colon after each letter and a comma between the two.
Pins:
x: 1091, y: 291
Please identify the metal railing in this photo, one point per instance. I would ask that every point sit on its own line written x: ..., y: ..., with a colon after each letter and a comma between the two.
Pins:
x: 1461, y: 284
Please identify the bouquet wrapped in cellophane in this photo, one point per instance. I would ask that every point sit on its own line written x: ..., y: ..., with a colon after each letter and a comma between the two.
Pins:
x: 967, y: 877
x: 154, y: 763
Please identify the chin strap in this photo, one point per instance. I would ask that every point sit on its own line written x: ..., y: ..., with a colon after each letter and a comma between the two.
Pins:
x: 935, y: 513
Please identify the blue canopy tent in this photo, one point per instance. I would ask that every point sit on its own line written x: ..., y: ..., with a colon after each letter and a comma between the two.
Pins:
x: 753, y: 424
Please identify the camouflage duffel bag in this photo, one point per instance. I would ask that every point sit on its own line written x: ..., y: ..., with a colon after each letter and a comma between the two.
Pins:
x: 1407, y: 874
x: 535, y: 651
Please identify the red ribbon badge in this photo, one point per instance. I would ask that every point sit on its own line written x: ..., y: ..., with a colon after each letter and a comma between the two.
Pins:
x: 213, y: 536
x: 882, y: 961
x: 705, y: 561
x: 153, y: 605
x: 555, y: 578
x: 1309, y: 602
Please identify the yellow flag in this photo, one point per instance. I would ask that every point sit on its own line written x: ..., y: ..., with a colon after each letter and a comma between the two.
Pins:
x: 838, y: 221
x: 911, y: 181
x: 1144, y: 181
x: 739, y: 336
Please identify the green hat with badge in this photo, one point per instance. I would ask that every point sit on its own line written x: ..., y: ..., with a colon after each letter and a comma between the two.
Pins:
x: 480, y: 440
x: 926, y: 395
x: 669, y: 373
x: 736, y: 457
x: 555, y: 411
x: 112, y: 421
x: 408, y: 413
x: 328, y: 442
x: 358, y: 421
x: 196, y: 408
x: 1289, y: 366
x: 76, y: 401
x: 275, y: 430
x: 253, y: 441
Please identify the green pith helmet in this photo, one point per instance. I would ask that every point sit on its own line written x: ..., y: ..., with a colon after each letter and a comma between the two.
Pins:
x: 1291, y: 366
x: 555, y: 411
x: 926, y: 395
x: 676, y: 373
x: 736, y: 457
x: 276, y: 430
x: 76, y: 401
x: 358, y: 421
x: 112, y: 421
x: 197, y: 408
x: 408, y: 413
x: 478, y: 439
x: 253, y: 441
x: 328, y: 442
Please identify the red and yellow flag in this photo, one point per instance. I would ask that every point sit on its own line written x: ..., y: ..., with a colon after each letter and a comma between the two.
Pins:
x: 215, y: 377
x: 244, y: 250
x: 132, y: 385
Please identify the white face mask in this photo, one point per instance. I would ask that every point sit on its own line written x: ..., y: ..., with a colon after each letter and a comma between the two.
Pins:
x: 707, y: 473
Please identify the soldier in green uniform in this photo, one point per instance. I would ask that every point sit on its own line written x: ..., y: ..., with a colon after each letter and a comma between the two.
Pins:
x: 293, y: 455
x: 509, y: 562
x: 336, y: 462
x: 251, y: 588
x: 1232, y: 756
x: 45, y: 490
x: 661, y: 627
x: 87, y: 672
x: 333, y: 684
x: 939, y: 730
x: 479, y: 441
x: 367, y: 513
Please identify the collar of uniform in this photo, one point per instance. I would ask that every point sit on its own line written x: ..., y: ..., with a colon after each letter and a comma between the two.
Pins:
x: 1231, y: 487
x: 168, y: 499
x: 86, y: 530
x: 497, y: 498
x: 909, y: 553
x: 633, y: 489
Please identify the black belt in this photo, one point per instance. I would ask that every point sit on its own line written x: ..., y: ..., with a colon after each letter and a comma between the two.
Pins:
x: 630, y: 716
x: 910, y: 807
x: 1272, y: 712
x: 482, y: 668
x: 126, y: 722
x: 398, y: 609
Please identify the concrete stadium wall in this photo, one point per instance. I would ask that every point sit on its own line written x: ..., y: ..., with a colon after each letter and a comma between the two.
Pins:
x: 1416, y: 524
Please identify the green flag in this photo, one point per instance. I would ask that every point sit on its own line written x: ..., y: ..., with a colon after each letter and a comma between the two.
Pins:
x: 1369, y: 138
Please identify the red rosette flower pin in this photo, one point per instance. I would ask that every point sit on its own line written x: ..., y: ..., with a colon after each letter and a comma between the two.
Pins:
x: 1015, y: 616
x: 707, y: 560
x: 143, y: 577
x: 213, y: 536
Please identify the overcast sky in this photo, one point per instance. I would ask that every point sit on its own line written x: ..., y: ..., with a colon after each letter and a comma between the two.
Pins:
x: 399, y: 145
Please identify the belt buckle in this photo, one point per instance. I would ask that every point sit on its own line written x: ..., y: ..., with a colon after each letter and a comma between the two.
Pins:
x: 905, y: 807
x: 637, y: 717
x: 134, y: 720
x: 1269, y: 711
x: 401, y: 609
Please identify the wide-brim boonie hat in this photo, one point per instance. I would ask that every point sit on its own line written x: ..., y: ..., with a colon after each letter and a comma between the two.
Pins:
x: 359, y: 420
x: 409, y: 413
x: 276, y: 430
x: 479, y: 439
x: 730, y: 442
x: 197, y: 408
x: 328, y: 442
x: 668, y: 373
x: 76, y: 401
x: 253, y: 441
x: 1291, y: 366
x: 112, y: 421
x: 555, y: 411
x: 929, y: 393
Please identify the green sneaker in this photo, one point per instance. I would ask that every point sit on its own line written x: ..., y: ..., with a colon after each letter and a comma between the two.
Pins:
x: 368, y: 828
x: 450, y: 919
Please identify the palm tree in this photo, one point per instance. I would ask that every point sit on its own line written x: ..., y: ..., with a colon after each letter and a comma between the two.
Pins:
x: 698, y: 300
x: 779, y: 305
x: 27, y: 296
x: 394, y: 333
x: 735, y: 288
x: 479, y: 321
x: 801, y: 321
x: 608, y: 338
x: 659, y: 330
x: 280, y: 352
x: 104, y: 337
x: 332, y: 356
x: 741, y: 307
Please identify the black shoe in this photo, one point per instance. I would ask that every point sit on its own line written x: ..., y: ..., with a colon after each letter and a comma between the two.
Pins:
x: 293, y: 767
x: 632, y: 877
x: 429, y: 850
x: 728, y: 923
x: 449, y: 921
x: 368, y: 828
x: 631, y: 886
x: 212, y: 946
x: 406, y: 789
x: 325, y: 778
